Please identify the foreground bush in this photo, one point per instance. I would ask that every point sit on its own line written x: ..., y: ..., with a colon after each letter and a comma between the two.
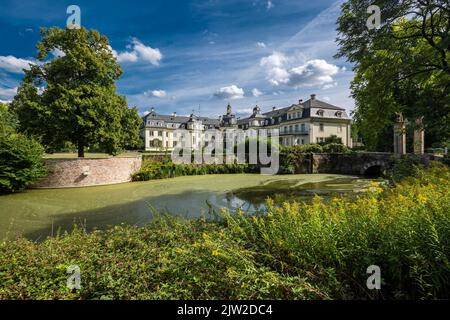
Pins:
x: 20, y: 157
x: 294, y: 251
x: 405, y: 231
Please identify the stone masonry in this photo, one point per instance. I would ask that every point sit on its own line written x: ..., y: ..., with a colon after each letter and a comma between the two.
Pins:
x: 83, y: 172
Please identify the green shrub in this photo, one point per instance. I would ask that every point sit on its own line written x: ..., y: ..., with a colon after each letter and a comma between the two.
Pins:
x: 294, y: 159
x: 20, y: 157
x: 160, y: 170
x: 403, y: 167
x: 335, y: 148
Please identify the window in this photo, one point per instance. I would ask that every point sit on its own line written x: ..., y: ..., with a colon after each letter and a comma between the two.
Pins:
x: 174, y: 143
x: 320, y: 113
x: 339, y: 129
x: 303, y: 141
x: 321, y: 127
x: 339, y: 114
x: 296, y: 128
x: 290, y: 128
x: 320, y: 140
x: 151, y: 134
x: 302, y: 128
x: 160, y: 133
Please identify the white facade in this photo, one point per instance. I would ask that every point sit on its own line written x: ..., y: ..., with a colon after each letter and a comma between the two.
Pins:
x: 306, y: 122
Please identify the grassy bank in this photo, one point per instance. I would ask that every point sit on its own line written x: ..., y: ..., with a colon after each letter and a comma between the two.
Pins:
x: 294, y: 251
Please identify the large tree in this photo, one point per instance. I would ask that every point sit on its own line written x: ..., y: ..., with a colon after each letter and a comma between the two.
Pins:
x: 71, y: 94
x: 402, y: 66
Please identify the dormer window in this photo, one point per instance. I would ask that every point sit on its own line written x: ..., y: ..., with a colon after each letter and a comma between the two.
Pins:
x: 338, y: 114
x: 320, y: 113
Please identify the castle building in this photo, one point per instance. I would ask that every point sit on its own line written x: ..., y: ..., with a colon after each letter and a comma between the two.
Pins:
x: 306, y: 122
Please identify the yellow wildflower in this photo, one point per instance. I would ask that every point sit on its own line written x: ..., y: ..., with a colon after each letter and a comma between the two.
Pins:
x: 422, y: 198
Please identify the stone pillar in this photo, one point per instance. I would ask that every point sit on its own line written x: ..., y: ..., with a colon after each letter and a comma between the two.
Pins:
x: 419, y: 137
x: 400, y: 135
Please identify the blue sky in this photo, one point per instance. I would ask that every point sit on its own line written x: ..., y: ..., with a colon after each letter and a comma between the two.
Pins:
x: 185, y: 55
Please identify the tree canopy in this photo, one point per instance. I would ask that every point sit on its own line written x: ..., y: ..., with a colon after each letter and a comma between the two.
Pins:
x: 402, y: 66
x: 70, y: 95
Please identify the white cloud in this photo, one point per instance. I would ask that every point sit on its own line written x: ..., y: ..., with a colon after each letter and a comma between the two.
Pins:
x: 276, y: 59
x: 8, y: 92
x: 260, y: 44
x: 13, y: 64
x: 127, y: 57
x: 156, y: 93
x: 58, y: 53
x: 256, y: 92
x: 147, y: 53
x: 139, y: 52
x: 269, y: 5
x: 5, y: 101
x: 312, y: 73
x: 330, y: 85
x: 275, y: 70
x: 231, y: 92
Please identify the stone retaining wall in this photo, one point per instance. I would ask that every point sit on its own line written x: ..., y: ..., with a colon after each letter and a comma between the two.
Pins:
x: 84, y: 172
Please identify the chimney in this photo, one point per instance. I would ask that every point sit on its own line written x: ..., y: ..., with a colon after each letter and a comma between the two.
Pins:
x: 300, y: 101
x: 273, y: 108
x: 153, y: 110
x: 174, y: 114
x: 313, y: 97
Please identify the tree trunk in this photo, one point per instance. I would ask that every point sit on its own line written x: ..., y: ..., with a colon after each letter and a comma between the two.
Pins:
x: 80, y: 150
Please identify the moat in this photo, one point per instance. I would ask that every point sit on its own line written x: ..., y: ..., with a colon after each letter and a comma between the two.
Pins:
x: 39, y: 213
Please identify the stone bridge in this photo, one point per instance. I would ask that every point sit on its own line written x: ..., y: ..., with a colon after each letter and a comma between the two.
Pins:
x: 360, y: 163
